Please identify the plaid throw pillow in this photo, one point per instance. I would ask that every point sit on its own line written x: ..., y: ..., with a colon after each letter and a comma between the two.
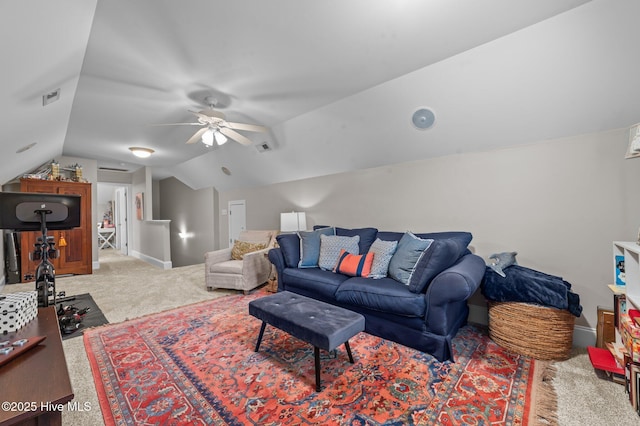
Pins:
x: 240, y: 248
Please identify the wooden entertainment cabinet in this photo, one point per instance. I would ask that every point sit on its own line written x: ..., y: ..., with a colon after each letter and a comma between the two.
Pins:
x: 76, y: 256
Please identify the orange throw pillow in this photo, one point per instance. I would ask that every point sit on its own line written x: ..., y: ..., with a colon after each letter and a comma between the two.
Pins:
x: 354, y: 265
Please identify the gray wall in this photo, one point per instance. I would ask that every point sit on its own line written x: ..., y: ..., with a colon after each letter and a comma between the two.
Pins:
x: 190, y: 212
x: 559, y: 204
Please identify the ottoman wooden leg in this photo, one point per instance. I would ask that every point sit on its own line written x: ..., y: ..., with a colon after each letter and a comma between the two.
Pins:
x: 264, y: 325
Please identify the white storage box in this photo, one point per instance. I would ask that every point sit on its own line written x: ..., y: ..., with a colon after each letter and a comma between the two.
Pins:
x: 17, y: 309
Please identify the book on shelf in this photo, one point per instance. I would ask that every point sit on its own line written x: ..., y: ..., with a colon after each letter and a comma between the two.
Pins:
x: 634, y: 314
x: 618, y: 351
x: 619, y: 308
x: 620, y: 274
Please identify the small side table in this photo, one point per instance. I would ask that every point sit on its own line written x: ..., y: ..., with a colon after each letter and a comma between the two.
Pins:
x: 38, y: 378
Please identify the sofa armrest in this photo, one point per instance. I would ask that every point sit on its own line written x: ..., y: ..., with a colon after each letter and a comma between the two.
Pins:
x: 277, y: 259
x: 217, y: 256
x: 448, y: 292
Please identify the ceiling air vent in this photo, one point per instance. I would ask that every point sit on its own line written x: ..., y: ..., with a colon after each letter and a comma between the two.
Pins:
x: 263, y: 147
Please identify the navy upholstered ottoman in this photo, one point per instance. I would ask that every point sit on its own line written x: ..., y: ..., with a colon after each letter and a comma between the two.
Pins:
x: 323, y: 325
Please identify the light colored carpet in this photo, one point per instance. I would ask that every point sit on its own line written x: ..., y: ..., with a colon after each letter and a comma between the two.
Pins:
x: 126, y: 288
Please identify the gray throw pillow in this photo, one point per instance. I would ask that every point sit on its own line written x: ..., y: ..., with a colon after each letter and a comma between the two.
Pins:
x: 330, y: 246
x: 382, y: 253
x: 404, y: 260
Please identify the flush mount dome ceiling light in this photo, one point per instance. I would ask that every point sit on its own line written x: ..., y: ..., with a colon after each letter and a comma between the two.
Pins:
x: 423, y: 119
x: 141, y: 152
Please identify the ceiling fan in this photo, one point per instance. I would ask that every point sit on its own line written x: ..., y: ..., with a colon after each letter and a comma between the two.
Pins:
x: 216, y: 128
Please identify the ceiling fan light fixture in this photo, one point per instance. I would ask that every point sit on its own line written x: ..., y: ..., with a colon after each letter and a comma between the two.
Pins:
x: 220, y: 138
x: 207, y: 137
x: 141, y: 152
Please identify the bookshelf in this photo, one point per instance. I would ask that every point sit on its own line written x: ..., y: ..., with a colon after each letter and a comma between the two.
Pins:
x: 630, y: 253
x: 623, y: 354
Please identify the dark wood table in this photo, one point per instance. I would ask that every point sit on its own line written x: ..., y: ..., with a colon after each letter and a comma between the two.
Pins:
x: 38, y: 380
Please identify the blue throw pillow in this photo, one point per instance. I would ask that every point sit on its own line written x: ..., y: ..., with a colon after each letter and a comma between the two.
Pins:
x: 310, y: 246
x: 410, y: 249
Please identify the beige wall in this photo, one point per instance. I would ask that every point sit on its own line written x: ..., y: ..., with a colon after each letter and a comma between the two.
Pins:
x: 559, y: 204
x: 190, y: 212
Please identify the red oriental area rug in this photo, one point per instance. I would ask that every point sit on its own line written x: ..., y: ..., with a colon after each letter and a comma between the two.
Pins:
x: 197, y: 366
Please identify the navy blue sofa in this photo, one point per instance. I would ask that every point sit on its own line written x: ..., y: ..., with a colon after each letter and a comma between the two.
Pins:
x: 426, y: 320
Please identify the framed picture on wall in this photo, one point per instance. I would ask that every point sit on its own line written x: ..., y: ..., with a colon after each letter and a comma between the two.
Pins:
x: 140, y: 205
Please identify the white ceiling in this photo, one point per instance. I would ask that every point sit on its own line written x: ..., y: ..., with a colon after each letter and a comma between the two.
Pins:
x: 336, y: 81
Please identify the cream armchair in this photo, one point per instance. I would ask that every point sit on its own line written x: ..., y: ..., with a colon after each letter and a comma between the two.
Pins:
x: 254, y: 268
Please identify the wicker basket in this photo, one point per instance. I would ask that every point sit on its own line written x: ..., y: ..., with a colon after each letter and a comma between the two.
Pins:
x: 536, y: 331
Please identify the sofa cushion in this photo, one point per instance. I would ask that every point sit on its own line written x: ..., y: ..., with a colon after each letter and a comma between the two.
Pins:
x: 310, y: 246
x: 313, y: 281
x: 461, y: 236
x: 227, y: 267
x: 240, y: 248
x: 409, y: 251
x: 439, y: 256
x: 382, y: 253
x: 354, y: 265
x: 367, y: 236
x: 383, y: 295
x: 332, y: 245
x: 290, y: 246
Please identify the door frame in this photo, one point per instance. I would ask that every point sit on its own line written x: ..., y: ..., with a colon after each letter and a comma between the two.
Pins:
x: 236, y: 204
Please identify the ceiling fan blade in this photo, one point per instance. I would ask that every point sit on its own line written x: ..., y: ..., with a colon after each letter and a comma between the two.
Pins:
x: 197, y: 135
x: 235, y: 136
x: 208, y: 113
x: 177, y: 124
x: 247, y: 127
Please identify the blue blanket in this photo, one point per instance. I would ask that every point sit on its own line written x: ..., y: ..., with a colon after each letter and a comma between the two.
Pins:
x: 529, y: 286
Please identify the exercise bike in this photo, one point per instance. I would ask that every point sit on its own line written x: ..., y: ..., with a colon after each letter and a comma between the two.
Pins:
x: 45, y: 272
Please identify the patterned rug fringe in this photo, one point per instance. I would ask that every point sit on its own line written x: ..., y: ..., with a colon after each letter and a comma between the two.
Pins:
x: 545, y: 399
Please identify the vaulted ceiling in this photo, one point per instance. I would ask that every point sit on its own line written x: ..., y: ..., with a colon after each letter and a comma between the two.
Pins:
x: 335, y: 81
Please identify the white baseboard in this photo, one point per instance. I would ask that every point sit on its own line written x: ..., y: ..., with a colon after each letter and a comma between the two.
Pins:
x: 95, y: 264
x: 582, y: 336
x: 152, y: 260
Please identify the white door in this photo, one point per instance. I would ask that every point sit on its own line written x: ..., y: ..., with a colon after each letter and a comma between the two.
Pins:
x: 121, y: 220
x: 237, y: 219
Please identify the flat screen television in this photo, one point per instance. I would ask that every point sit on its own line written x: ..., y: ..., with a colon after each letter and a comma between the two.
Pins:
x: 19, y: 211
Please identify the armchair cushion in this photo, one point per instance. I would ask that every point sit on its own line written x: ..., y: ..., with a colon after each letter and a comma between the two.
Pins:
x: 227, y: 267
